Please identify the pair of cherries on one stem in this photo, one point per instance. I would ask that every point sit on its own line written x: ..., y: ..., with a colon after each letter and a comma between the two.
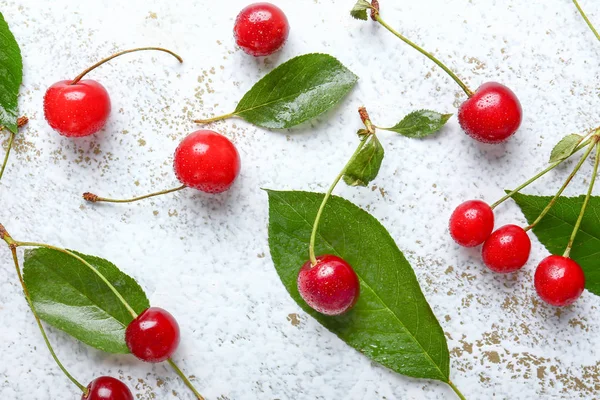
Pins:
x: 558, y: 280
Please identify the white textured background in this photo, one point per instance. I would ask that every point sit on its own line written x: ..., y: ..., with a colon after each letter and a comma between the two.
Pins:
x: 205, y: 258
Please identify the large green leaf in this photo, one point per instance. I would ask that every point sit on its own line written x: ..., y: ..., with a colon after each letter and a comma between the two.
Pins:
x: 71, y: 297
x: 392, y: 322
x: 296, y: 91
x: 554, y: 231
x: 364, y: 167
x: 11, y: 75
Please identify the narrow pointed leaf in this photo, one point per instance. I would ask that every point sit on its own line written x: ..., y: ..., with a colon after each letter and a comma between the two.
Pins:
x: 364, y: 167
x: 11, y: 75
x: 359, y: 11
x: 296, y: 91
x: 419, y: 124
x: 72, y: 298
x: 565, y: 148
x: 392, y: 322
x: 554, y: 231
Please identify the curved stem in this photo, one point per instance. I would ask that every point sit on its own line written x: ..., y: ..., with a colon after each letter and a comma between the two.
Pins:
x: 585, y: 202
x: 93, y: 198
x: 562, y: 189
x: 185, y: 379
x: 458, y: 393
x: 10, y: 143
x: 213, y: 119
x: 587, y: 21
x: 107, y: 59
x: 426, y: 54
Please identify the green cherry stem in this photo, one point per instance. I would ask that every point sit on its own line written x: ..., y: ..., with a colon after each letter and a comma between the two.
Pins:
x: 214, y: 119
x: 585, y: 202
x: 562, y: 189
x: 586, y: 19
x: 94, y: 198
x: 458, y: 393
x: 107, y: 59
x: 313, y: 236
x: 184, y: 378
x: 452, y: 75
x: 12, y: 245
x: 21, y: 121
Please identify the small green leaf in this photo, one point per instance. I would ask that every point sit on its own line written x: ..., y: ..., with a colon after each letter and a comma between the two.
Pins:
x: 11, y: 73
x: 419, y: 124
x: 565, y: 148
x: 392, y: 322
x: 554, y: 231
x: 296, y: 91
x: 72, y: 298
x: 364, y: 167
x: 359, y: 11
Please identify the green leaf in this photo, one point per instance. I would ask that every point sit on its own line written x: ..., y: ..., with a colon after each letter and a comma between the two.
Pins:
x: 565, y: 148
x: 554, y: 231
x: 296, y: 91
x: 11, y: 75
x: 419, y: 124
x: 392, y: 322
x: 364, y: 167
x: 72, y: 298
x: 359, y: 11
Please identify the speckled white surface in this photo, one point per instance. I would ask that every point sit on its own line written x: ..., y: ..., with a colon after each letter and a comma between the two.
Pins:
x: 206, y: 259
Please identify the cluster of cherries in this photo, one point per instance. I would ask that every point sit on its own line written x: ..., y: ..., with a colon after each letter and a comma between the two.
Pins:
x: 558, y: 280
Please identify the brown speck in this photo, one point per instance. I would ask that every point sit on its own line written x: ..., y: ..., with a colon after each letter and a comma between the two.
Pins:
x: 294, y: 319
x: 152, y: 15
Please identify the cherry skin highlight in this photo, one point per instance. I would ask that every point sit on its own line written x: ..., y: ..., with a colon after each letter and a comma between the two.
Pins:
x: 492, y: 114
x: 261, y: 29
x: 77, y: 110
x: 153, y: 336
x: 471, y: 223
x: 207, y: 161
x: 559, y: 281
x: 107, y: 388
x: 330, y: 287
x: 507, y: 249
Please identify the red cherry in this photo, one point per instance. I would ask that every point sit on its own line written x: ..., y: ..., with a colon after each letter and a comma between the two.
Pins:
x: 471, y: 223
x: 559, y: 281
x: 207, y: 161
x: 330, y: 287
x: 153, y: 336
x: 77, y: 110
x: 492, y: 114
x: 107, y: 388
x: 507, y: 249
x: 261, y: 29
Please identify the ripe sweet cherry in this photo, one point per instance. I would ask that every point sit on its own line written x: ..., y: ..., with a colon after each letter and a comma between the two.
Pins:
x: 471, y: 223
x: 492, y: 114
x: 507, y: 249
x: 107, y: 388
x: 261, y: 29
x: 559, y: 281
x: 330, y: 287
x: 153, y: 336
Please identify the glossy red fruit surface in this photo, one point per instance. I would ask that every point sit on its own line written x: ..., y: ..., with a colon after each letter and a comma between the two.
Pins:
x: 559, y: 281
x: 261, y: 29
x: 77, y: 110
x: 507, y: 249
x: 330, y: 287
x: 153, y: 336
x: 471, y: 223
x: 492, y: 114
x: 207, y: 161
x: 107, y: 388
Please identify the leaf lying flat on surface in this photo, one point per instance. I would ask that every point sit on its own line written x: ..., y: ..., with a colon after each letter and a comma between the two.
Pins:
x: 364, y: 167
x: 392, y: 322
x: 554, y: 231
x: 72, y: 298
x: 11, y: 75
x: 421, y: 123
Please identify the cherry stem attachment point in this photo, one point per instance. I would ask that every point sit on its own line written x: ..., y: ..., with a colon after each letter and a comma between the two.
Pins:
x: 585, y: 202
x: 587, y: 21
x: 185, y: 379
x: 13, y: 249
x: 107, y: 59
x: 377, y: 17
x: 562, y: 189
x: 214, y: 119
x: 313, y: 236
x: 458, y: 393
x: 94, y: 198
x: 21, y: 121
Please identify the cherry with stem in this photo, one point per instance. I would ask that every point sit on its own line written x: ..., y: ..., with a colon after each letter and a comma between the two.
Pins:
x: 21, y: 121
